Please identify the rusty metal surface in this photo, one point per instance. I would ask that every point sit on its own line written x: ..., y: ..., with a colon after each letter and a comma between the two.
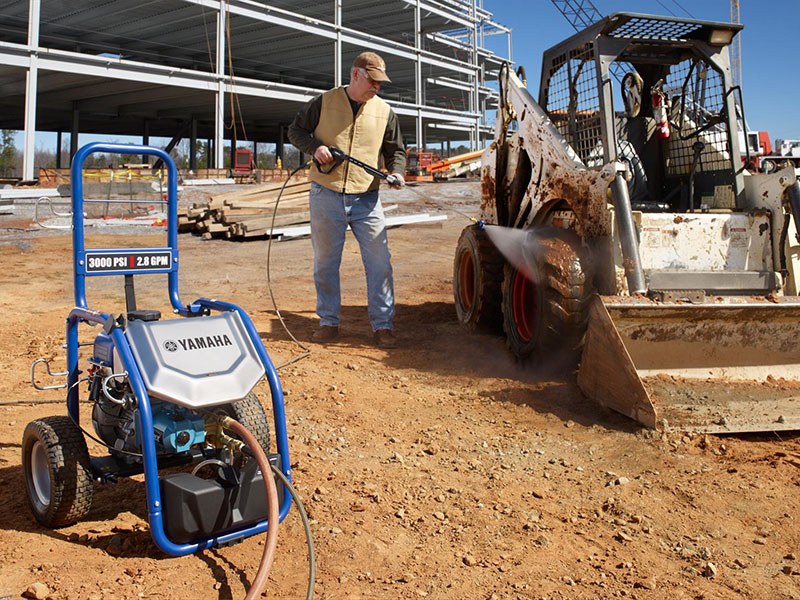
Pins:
x: 556, y: 173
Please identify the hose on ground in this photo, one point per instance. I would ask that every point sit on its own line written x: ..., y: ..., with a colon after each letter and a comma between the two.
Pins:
x: 312, y: 560
x: 268, y: 556
x: 306, y: 351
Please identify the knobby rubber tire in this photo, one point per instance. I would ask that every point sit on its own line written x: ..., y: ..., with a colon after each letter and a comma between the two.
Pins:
x: 58, y: 442
x: 250, y: 413
x: 545, y: 320
x: 477, y: 279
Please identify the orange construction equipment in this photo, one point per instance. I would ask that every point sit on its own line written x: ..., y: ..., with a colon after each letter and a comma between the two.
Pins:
x: 454, y: 166
x: 418, y: 167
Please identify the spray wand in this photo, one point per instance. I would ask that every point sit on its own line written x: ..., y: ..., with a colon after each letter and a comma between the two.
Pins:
x: 339, y: 157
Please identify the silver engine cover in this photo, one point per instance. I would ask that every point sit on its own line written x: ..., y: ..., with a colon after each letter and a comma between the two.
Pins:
x: 196, y: 362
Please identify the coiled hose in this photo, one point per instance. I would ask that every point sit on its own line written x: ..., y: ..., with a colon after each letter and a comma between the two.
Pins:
x: 268, y: 555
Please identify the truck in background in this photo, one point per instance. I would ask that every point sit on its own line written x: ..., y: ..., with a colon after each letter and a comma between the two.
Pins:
x: 764, y: 158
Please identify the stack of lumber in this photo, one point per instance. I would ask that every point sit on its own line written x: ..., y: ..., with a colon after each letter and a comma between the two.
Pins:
x: 249, y: 213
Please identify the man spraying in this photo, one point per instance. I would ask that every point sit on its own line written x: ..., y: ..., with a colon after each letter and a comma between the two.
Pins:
x: 354, y: 119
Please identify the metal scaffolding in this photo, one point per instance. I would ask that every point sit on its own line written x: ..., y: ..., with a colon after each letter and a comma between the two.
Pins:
x: 238, y: 70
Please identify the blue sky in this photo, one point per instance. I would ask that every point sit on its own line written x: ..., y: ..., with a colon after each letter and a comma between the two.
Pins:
x: 770, y: 80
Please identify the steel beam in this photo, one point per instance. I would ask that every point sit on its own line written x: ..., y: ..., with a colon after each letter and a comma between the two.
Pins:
x: 31, y: 90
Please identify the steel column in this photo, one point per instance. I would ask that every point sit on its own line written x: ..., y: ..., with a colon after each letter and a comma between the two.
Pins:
x: 419, y: 96
x: 145, y: 137
x: 338, y: 67
x: 31, y: 90
x: 193, y: 146
x: 474, y: 93
x: 219, y: 119
x: 74, y: 132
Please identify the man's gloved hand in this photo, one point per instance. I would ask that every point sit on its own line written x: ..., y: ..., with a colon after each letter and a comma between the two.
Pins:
x: 396, y: 180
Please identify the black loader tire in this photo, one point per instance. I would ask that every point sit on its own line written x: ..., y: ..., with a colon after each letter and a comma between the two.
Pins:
x: 55, y: 463
x: 477, y: 278
x: 250, y: 413
x: 546, y: 320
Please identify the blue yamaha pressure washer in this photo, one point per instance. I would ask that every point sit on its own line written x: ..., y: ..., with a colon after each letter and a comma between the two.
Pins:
x: 163, y: 393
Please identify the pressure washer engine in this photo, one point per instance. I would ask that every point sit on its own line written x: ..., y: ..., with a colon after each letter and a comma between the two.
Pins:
x: 174, y: 393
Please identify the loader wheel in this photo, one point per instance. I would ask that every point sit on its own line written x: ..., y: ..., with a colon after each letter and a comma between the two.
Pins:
x: 546, y: 319
x: 250, y: 413
x: 477, y: 278
x: 58, y: 478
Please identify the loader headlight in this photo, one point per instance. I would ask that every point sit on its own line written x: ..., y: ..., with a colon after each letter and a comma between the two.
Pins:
x: 721, y: 37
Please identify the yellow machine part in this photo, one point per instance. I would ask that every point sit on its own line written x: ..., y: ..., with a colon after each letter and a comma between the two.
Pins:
x: 726, y: 365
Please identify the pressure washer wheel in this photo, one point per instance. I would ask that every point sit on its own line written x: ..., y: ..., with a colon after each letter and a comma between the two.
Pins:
x: 545, y: 319
x: 58, y: 479
x: 250, y: 413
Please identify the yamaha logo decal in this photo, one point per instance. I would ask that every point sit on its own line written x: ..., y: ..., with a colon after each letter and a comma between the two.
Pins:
x: 198, y: 343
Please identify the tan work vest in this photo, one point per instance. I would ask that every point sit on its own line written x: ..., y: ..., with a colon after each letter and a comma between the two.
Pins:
x: 361, y: 138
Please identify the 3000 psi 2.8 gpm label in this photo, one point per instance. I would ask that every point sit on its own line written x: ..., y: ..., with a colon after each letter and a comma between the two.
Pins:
x: 104, y: 262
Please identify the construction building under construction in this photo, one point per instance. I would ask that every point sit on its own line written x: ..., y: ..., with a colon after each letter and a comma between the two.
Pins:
x: 234, y: 71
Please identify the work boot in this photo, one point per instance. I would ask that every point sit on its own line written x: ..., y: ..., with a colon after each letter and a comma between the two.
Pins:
x: 325, y: 334
x: 384, y: 338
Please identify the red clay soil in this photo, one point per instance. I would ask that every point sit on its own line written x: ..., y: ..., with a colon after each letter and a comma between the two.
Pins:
x: 441, y: 469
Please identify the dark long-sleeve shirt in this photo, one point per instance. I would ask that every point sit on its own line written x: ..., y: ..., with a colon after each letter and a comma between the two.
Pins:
x: 301, y: 134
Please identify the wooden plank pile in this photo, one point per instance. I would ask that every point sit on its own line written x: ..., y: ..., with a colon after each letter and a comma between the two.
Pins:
x: 6, y: 206
x: 246, y: 214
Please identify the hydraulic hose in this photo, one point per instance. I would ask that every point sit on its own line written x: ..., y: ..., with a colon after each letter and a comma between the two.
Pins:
x: 272, y: 505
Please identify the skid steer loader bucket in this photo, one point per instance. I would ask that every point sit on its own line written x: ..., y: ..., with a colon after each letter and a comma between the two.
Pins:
x: 723, y: 366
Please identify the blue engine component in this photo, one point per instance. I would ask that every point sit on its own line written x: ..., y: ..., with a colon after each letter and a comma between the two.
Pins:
x: 176, y: 428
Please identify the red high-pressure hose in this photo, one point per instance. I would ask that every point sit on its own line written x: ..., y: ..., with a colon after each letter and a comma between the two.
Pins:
x: 272, y: 505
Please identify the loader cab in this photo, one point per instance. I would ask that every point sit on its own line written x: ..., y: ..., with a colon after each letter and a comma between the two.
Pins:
x: 655, y: 93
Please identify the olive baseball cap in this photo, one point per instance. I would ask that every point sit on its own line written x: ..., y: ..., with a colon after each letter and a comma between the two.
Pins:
x: 373, y: 64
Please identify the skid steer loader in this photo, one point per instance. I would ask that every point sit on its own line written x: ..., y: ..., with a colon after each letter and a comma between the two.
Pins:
x: 634, y: 238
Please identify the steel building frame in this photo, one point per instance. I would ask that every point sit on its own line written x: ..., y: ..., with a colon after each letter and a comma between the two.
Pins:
x: 238, y: 69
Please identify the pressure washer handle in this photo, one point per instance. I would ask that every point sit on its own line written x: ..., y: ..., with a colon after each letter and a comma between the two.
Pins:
x: 338, y: 158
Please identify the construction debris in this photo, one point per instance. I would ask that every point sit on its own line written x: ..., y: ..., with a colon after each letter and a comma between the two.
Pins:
x: 428, y: 167
x: 462, y: 165
x: 217, y: 181
x: 248, y: 213
x: 251, y: 213
x: 19, y: 193
x: 286, y: 233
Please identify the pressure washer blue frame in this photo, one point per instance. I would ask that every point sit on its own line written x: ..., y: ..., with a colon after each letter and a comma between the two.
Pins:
x: 83, y: 314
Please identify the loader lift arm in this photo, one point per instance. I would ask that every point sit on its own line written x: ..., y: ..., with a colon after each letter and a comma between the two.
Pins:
x: 557, y: 177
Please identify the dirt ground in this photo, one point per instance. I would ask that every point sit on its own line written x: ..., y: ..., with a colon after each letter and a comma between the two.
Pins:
x: 441, y: 469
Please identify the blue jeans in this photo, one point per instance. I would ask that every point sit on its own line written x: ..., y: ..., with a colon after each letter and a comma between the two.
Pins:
x: 331, y: 213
